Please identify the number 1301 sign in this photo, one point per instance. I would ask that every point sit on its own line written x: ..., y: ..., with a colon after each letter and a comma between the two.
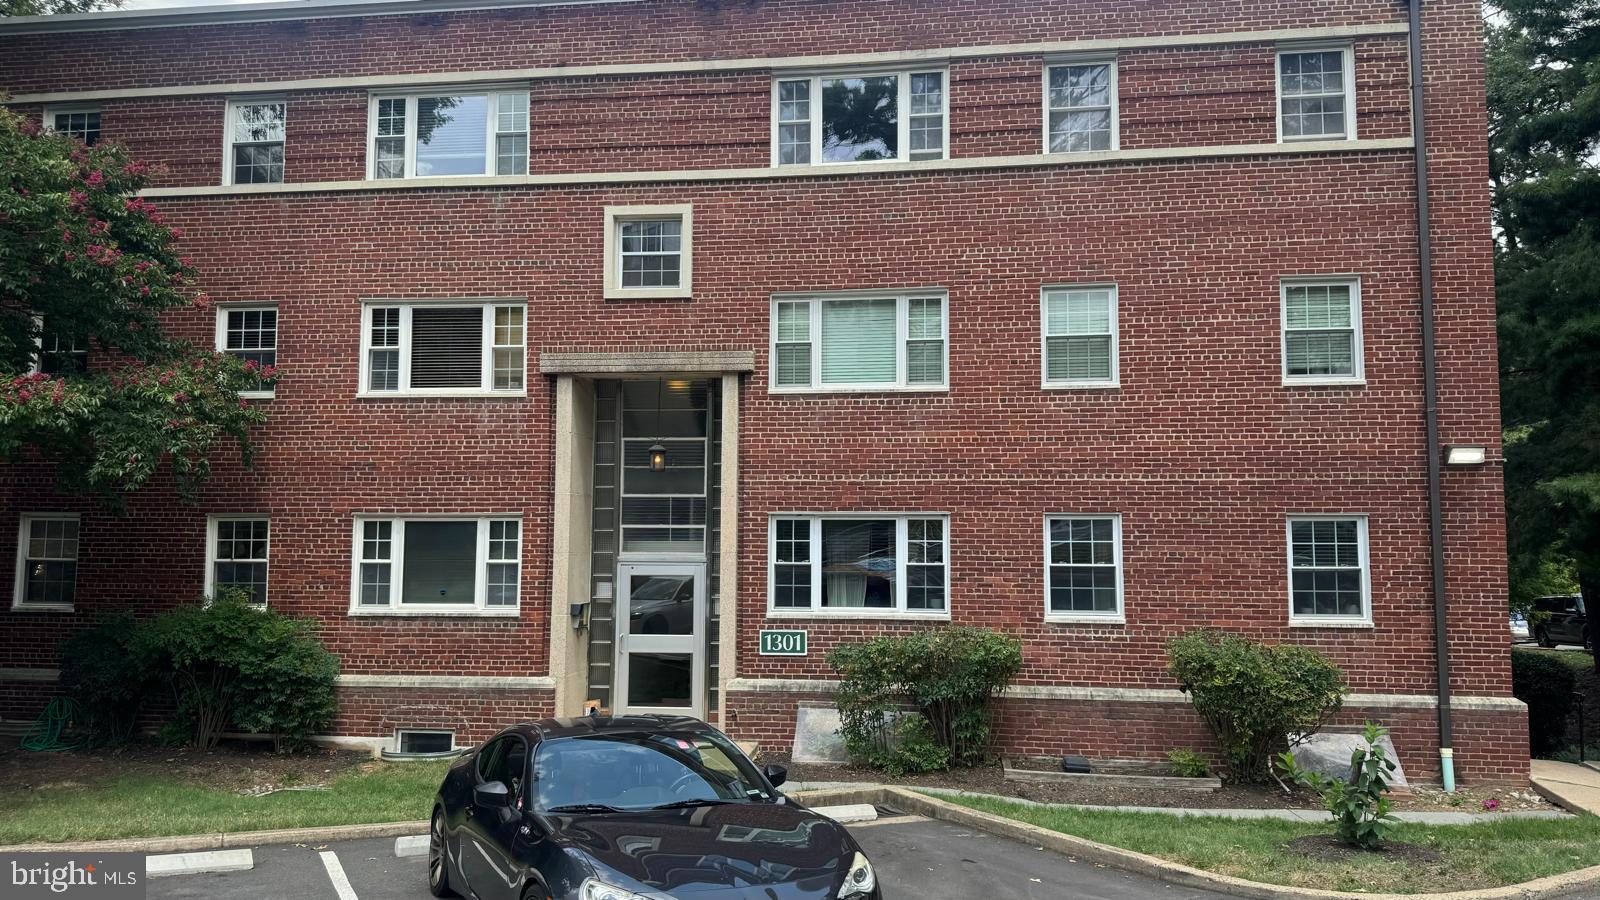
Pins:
x: 783, y: 643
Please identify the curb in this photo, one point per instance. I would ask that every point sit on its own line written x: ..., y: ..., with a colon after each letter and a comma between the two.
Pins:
x: 1176, y: 873
x: 229, y: 839
x: 199, y: 863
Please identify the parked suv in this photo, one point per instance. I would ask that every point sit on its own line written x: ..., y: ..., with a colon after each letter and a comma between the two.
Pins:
x: 1565, y: 620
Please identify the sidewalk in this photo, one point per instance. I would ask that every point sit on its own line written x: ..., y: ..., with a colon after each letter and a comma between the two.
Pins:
x: 1575, y: 787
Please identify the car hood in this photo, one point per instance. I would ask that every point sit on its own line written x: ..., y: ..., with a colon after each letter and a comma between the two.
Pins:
x: 762, y: 851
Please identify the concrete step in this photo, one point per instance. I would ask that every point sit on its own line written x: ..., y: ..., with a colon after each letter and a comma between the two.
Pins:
x: 1567, y: 785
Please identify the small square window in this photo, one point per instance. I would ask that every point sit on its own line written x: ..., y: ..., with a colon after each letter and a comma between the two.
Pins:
x: 1322, y: 332
x: 648, y: 252
x: 415, y: 742
x: 1081, y: 107
x: 81, y: 123
x: 1316, y: 94
x: 1083, y: 568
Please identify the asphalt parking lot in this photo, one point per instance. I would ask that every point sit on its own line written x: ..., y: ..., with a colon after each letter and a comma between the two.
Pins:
x: 916, y: 859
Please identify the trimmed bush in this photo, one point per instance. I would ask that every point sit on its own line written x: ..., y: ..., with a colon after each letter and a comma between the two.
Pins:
x: 1254, y: 696
x: 946, y: 677
x: 103, y: 671
x: 1546, y: 684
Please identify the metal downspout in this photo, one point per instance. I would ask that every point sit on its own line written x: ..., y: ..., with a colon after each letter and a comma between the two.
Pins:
x: 1430, y: 400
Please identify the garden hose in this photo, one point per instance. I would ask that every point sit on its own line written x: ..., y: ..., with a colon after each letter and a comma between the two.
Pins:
x: 48, y: 734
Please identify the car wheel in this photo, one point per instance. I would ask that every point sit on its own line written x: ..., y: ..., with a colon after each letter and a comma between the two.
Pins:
x: 438, y: 866
x: 535, y: 892
x: 1542, y: 635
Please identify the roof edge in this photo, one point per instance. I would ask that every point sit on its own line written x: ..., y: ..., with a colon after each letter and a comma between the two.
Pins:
x: 283, y: 10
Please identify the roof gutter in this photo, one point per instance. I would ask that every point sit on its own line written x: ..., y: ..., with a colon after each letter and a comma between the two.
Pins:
x: 283, y: 10
x: 1430, y: 403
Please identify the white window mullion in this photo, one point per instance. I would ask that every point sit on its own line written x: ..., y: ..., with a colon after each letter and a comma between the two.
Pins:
x: 480, y: 590
x: 816, y: 121
x: 397, y: 561
x: 364, y: 365
x: 816, y: 343
x: 816, y: 563
x: 903, y: 116
x: 486, y: 369
x: 901, y: 547
x: 405, y: 348
x: 413, y: 116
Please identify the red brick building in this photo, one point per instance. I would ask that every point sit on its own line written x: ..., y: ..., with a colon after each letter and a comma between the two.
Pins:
x: 617, y: 333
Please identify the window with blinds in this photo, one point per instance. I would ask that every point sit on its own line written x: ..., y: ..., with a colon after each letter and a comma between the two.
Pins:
x: 1080, y: 336
x: 446, y: 135
x: 887, y: 342
x: 1322, y: 332
x: 443, y: 349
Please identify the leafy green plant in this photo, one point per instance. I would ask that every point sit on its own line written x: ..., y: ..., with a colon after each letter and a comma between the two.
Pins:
x: 912, y: 750
x: 947, y: 675
x: 1360, y: 809
x: 1189, y: 764
x: 109, y: 678
x: 1254, y: 695
x: 231, y: 663
x: 1546, y: 683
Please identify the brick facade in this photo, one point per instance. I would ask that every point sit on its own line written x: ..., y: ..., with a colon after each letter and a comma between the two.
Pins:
x: 1201, y: 450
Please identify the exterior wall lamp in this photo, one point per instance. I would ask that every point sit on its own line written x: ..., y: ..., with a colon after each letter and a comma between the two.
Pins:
x: 1465, y: 455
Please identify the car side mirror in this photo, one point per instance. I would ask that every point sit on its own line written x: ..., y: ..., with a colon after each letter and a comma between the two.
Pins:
x: 777, y: 775
x: 491, y: 795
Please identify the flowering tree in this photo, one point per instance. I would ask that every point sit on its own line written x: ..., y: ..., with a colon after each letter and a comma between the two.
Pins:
x: 87, y: 265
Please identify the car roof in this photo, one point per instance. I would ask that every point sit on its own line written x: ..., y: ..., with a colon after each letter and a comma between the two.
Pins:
x: 590, y: 726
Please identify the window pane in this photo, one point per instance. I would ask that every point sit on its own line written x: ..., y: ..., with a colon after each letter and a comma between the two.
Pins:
x: 440, y: 562
x: 660, y: 679
x: 451, y: 135
x: 794, y: 321
x: 858, y: 563
x: 511, y: 154
x: 925, y: 362
x: 1078, y: 358
x: 1321, y: 353
x: 859, y: 341
x: 446, y: 347
x: 794, y: 365
x: 1078, y: 312
x: 651, y: 253
x: 512, y: 112
x: 374, y: 584
x: 860, y: 118
x: 255, y: 123
x: 1317, y: 306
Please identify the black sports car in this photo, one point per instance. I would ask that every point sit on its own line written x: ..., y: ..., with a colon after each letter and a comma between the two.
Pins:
x: 631, y: 808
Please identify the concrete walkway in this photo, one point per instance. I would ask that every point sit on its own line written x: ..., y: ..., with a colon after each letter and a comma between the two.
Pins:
x: 1575, y: 787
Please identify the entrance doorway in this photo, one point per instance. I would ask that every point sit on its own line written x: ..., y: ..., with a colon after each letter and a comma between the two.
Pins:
x: 661, y: 638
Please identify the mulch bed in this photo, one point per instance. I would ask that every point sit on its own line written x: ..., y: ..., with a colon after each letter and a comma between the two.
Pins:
x: 242, y: 767
x: 1328, y: 848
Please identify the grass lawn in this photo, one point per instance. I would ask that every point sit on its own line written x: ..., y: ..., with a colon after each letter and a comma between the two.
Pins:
x: 151, y: 806
x: 1505, y: 851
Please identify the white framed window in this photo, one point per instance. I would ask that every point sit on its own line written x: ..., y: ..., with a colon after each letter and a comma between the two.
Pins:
x: 856, y: 117
x: 1329, y: 570
x: 237, y: 550
x: 443, y: 133
x: 1321, y: 324
x: 58, y: 354
x: 649, y: 251
x: 1080, y: 106
x: 250, y: 333
x: 1079, y: 342
x: 446, y: 565
x: 859, y: 564
x: 81, y: 122
x: 254, y: 142
x: 444, y: 348
x: 860, y: 341
x: 1316, y: 94
x: 421, y: 741
x: 1083, y: 568
x: 47, y: 562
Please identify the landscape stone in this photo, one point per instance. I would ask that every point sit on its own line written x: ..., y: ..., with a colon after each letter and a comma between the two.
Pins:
x: 816, y: 736
x: 1328, y: 753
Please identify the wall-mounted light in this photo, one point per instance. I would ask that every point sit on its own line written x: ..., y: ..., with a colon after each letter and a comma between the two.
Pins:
x: 576, y: 611
x: 1465, y: 455
x: 658, y: 458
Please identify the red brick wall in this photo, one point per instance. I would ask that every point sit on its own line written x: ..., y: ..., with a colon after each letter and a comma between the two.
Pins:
x: 473, y: 715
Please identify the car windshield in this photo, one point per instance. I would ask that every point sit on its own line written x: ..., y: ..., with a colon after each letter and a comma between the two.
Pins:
x: 643, y: 770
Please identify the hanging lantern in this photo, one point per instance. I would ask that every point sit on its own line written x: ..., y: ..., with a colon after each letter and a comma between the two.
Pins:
x: 658, y: 458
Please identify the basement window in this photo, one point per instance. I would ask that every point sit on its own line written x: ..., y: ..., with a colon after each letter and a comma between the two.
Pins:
x: 420, y: 742
x: 443, y: 349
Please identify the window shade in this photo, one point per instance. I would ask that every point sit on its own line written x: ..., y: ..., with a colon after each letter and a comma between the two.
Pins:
x: 447, y: 347
x: 858, y: 341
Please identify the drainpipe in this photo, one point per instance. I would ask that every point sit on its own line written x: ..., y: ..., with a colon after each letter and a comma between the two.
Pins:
x: 1430, y: 401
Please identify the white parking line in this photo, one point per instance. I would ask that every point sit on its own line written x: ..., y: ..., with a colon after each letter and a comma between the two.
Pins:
x: 341, y: 884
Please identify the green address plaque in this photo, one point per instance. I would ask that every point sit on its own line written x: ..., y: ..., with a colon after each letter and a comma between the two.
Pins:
x: 784, y: 642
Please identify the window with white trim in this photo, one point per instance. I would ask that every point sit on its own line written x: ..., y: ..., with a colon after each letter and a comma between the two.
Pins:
x: 439, y: 564
x: 251, y: 334
x: 435, y: 134
x: 1322, y: 331
x: 60, y: 354
x: 649, y: 251
x: 1080, y: 336
x: 859, y: 342
x: 860, y: 564
x: 1083, y: 567
x: 422, y: 741
x: 860, y: 117
x: 1081, y: 107
x: 443, y: 348
x: 47, y: 562
x: 1329, y: 578
x: 236, y: 555
x: 81, y: 122
x: 255, y: 136
x: 1316, y: 94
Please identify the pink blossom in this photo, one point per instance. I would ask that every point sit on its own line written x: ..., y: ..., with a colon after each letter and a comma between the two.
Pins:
x: 1491, y: 804
x: 30, y: 127
x: 66, y: 236
x: 186, y: 261
x: 251, y: 365
x: 180, y: 397
x: 95, y: 179
x: 269, y: 371
x: 136, y: 169
x: 79, y: 199
x: 24, y: 394
x: 244, y: 404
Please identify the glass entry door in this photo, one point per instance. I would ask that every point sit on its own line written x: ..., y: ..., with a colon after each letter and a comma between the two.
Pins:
x: 661, y: 639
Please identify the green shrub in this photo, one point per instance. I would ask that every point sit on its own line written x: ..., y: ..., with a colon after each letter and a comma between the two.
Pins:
x: 1189, y: 764
x: 1254, y: 695
x: 103, y: 671
x: 1360, y: 809
x: 231, y: 663
x: 1546, y: 683
x: 912, y: 750
x: 947, y: 675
